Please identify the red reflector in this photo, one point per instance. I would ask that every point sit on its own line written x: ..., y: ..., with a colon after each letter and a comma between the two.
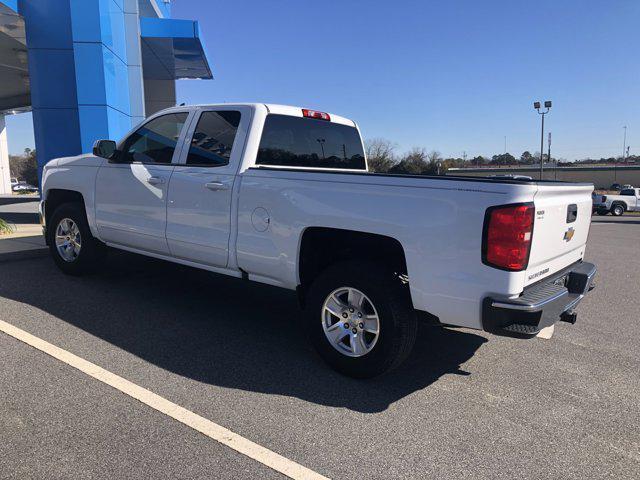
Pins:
x: 315, y: 114
x: 507, y: 240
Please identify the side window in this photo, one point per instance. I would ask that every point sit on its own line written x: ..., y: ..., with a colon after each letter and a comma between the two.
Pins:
x: 628, y: 192
x: 155, y: 141
x: 213, y: 138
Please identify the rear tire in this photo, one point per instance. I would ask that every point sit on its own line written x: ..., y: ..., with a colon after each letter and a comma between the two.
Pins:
x: 74, y: 250
x: 359, y: 353
x: 617, y: 210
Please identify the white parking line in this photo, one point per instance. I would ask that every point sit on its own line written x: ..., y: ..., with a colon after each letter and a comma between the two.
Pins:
x: 212, y: 430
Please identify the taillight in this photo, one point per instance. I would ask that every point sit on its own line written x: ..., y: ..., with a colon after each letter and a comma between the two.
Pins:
x: 604, y: 198
x: 315, y: 114
x: 507, y: 235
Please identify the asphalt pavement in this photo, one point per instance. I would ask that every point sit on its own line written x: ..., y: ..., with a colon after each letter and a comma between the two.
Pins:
x: 465, y: 405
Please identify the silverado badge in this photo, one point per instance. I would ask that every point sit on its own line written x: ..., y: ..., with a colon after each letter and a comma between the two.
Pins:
x: 568, y: 235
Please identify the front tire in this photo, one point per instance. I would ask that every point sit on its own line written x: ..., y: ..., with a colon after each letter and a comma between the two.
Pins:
x: 360, y: 319
x: 74, y: 250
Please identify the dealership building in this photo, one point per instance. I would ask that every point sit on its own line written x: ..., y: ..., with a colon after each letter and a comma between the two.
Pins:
x: 90, y: 69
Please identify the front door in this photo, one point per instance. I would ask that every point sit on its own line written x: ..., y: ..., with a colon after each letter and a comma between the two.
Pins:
x: 201, y: 190
x: 131, y: 189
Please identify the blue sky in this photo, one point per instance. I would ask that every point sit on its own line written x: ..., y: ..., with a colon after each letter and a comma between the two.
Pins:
x: 452, y: 76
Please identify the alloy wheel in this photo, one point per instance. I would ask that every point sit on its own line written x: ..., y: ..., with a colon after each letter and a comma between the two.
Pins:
x: 68, y: 240
x: 350, y: 322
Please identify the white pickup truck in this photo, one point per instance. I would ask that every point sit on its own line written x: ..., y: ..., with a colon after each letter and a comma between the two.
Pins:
x: 282, y: 195
x: 627, y: 201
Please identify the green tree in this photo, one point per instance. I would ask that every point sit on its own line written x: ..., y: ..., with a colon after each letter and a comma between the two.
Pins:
x: 526, y: 157
x: 503, y: 159
x: 25, y: 167
x: 478, y: 161
x: 413, y: 163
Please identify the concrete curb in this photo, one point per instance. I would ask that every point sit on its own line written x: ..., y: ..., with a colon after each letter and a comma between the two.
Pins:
x: 14, y: 199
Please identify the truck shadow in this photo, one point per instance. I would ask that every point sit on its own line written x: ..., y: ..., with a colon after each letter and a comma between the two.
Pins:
x: 221, y: 331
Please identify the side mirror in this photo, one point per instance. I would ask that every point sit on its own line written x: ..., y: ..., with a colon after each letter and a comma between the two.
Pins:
x: 104, y: 148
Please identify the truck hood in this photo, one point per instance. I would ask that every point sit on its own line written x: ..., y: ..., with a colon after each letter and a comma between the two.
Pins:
x: 87, y: 160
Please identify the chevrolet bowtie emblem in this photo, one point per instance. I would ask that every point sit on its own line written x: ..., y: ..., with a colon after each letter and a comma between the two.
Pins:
x: 568, y: 235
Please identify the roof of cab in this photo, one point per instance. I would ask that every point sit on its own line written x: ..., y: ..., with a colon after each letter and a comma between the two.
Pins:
x: 278, y: 110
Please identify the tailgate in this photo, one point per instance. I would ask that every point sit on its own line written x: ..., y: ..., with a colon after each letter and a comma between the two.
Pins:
x: 560, y: 229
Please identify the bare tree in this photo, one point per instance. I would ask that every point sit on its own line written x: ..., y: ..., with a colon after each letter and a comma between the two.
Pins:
x: 434, y: 157
x: 380, y: 154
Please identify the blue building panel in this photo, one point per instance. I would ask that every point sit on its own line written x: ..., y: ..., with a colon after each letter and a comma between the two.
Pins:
x: 48, y: 23
x: 88, y: 67
x: 119, y: 4
x: 112, y: 28
x: 99, y: 122
x: 85, y: 21
x: 12, y: 4
x: 90, y: 75
x: 168, y: 28
x: 57, y: 134
x: 53, y: 82
x: 94, y: 122
x: 116, y: 82
x: 119, y: 124
x: 99, y: 21
x: 101, y: 77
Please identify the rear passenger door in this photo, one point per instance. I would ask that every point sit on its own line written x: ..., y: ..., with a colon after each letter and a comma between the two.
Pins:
x: 201, y: 189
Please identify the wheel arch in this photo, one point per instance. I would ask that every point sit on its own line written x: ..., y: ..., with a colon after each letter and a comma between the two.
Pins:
x: 321, y: 247
x: 56, y: 197
x: 619, y: 203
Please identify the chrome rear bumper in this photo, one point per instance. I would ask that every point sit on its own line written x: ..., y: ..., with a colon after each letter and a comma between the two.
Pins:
x: 542, y: 304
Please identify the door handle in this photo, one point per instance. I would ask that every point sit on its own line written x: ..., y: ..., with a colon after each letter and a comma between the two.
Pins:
x: 155, y: 180
x: 216, y: 186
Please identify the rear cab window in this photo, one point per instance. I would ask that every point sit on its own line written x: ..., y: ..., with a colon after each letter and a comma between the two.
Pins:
x: 289, y: 141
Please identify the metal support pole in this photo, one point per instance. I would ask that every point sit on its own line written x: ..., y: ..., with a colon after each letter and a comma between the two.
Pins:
x: 5, y: 171
x: 542, y: 146
x: 555, y: 166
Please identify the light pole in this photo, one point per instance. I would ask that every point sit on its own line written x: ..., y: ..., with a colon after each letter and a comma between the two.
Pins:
x: 547, y: 105
x: 624, y: 143
x: 321, y: 142
x: 555, y: 165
